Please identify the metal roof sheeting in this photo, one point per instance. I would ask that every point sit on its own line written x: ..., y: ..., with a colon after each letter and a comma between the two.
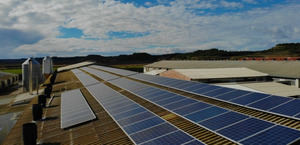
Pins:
x: 217, y: 73
x: 77, y: 65
x: 289, y: 69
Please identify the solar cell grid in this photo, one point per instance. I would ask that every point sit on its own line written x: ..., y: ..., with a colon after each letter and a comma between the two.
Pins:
x: 206, y: 89
x: 269, y: 102
x: 180, y: 103
x: 291, y: 108
x: 135, y: 118
x: 153, y: 132
x: 247, y: 99
x: 170, y: 100
x: 132, y: 128
x: 232, y: 95
x: 175, y: 138
x: 191, y: 108
x: 218, y: 92
x: 223, y: 120
x: 245, y: 128
x: 205, y: 114
x: 275, y: 135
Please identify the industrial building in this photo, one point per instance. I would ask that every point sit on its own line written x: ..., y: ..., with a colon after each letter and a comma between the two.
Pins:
x: 282, y: 71
x: 7, y: 80
x: 104, y: 105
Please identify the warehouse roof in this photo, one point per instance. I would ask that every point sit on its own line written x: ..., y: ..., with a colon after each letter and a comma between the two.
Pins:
x: 274, y: 88
x: 289, y: 69
x: 155, y: 72
x: 215, y: 73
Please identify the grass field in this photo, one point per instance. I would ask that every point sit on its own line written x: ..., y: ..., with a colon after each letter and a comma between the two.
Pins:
x: 18, y: 70
x: 13, y: 71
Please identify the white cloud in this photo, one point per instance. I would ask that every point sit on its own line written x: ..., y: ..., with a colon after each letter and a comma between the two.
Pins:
x: 173, y: 28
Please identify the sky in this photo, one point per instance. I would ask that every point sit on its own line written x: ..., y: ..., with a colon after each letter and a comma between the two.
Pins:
x: 36, y: 28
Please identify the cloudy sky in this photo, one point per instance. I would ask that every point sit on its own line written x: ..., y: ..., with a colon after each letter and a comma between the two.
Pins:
x: 113, y: 27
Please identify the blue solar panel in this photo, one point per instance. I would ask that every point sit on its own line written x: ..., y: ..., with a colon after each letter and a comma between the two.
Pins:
x: 290, y: 108
x: 269, y: 102
x: 249, y: 98
x: 173, y: 99
x: 206, y: 89
x: 175, y: 138
x: 153, y: 94
x: 245, y: 128
x: 223, y: 120
x: 297, y: 116
x: 132, y: 128
x: 121, y: 109
x: 152, y: 133
x: 194, y: 87
x: 162, y: 96
x: 128, y: 113
x: 278, y: 135
x: 180, y: 104
x: 191, y: 108
x: 206, y: 113
x: 218, y: 92
x: 135, y: 118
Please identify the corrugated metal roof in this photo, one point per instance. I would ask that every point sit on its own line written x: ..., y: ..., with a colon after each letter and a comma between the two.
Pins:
x: 215, y: 73
x: 155, y: 72
x: 289, y: 69
x: 267, y: 87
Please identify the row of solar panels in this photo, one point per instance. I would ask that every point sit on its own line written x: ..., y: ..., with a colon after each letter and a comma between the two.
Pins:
x: 142, y: 126
x: 234, y: 126
x: 278, y: 105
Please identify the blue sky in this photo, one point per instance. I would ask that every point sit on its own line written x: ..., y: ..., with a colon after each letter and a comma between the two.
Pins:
x: 113, y: 27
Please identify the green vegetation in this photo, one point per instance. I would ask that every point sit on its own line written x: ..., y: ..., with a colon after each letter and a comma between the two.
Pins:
x: 13, y: 71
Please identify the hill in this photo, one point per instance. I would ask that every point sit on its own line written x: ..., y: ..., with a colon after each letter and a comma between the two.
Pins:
x: 280, y: 50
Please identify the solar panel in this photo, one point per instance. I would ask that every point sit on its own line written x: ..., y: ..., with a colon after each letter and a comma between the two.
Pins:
x: 275, y: 135
x: 74, y: 109
x: 218, y: 92
x: 140, y: 125
x: 269, y: 102
x: 244, y: 129
x: 223, y: 120
x: 191, y: 108
x: 206, y: 113
x: 247, y: 99
x: 117, y: 71
x: 175, y: 138
x: 103, y: 75
x: 290, y: 109
x: 232, y: 95
x: 84, y: 78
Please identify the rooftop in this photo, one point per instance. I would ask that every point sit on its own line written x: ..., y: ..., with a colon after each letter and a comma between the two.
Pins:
x: 288, y: 69
x: 108, y: 129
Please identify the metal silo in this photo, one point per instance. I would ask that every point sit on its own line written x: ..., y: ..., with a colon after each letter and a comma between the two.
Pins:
x: 47, y: 66
x: 31, y: 74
